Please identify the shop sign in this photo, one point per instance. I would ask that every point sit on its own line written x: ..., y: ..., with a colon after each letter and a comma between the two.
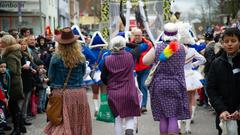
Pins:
x: 26, y: 6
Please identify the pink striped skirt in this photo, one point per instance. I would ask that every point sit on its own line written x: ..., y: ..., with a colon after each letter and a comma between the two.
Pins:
x: 76, y: 114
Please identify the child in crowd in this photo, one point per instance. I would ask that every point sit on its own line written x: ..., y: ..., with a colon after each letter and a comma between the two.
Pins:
x: 4, y: 89
x: 223, y: 80
x: 42, y: 86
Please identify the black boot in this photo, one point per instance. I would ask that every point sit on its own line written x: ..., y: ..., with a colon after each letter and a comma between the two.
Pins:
x: 129, y: 132
x: 15, y: 132
x: 17, y: 124
x: 7, y: 128
x: 26, y: 123
x: 2, y: 132
x: 22, y: 125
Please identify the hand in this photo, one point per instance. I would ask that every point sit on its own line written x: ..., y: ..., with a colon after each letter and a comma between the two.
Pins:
x: 6, y: 101
x: 34, y: 71
x: 224, y: 115
x: 235, y: 115
x: 46, y: 79
x: 51, y: 49
x: 26, y: 66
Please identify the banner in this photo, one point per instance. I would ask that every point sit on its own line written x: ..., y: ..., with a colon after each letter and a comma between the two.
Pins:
x: 104, y: 24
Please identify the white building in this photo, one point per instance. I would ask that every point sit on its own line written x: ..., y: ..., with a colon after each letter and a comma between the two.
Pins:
x: 74, y: 11
x: 64, y: 13
x: 50, y: 10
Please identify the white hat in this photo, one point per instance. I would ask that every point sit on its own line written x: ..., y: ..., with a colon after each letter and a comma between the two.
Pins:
x: 170, y: 32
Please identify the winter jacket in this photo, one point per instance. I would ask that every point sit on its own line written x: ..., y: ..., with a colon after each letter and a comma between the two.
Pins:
x: 27, y: 75
x: 12, y: 56
x: 35, y: 54
x: 209, y: 56
x: 223, y: 84
x: 139, y: 64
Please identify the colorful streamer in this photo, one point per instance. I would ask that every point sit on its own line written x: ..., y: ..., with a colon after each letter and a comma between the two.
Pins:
x: 172, y: 48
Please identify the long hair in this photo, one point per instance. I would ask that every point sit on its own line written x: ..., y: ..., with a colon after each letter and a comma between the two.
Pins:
x: 22, y: 42
x: 70, y: 54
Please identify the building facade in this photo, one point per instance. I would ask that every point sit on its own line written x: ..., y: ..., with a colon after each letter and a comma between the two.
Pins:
x: 34, y: 14
x: 64, y: 13
x: 74, y: 11
x: 17, y: 14
x: 50, y: 9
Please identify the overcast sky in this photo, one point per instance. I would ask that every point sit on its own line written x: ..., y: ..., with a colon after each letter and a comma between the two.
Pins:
x: 188, y: 6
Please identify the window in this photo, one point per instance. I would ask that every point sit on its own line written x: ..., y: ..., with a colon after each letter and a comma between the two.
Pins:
x: 49, y: 21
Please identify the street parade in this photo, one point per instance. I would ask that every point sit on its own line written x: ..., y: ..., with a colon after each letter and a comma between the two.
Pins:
x: 120, y: 67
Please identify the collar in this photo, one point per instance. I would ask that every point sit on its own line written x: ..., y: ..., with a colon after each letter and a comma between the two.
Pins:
x: 224, y: 57
x: 120, y: 52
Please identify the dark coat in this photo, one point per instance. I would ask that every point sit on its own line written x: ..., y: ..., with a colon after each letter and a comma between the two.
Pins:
x: 45, y: 56
x: 223, y: 86
x: 27, y: 75
x: 12, y: 56
x: 35, y: 54
x: 209, y: 56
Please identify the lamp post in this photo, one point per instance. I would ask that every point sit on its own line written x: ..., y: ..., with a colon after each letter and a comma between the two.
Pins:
x: 20, y: 4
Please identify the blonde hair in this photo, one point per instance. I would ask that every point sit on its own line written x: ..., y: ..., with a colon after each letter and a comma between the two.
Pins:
x: 21, y: 42
x: 70, y: 54
x: 9, y: 40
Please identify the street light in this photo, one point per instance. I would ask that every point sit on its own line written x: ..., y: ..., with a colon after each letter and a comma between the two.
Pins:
x: 20, y: 4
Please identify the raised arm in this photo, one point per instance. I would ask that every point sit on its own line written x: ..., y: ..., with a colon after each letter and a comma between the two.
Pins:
x: 149, y: 57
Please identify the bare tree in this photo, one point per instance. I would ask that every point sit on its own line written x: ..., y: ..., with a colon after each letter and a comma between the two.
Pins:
x: 203, y: 15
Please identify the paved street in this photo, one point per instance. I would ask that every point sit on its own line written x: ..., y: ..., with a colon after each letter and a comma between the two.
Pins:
x: 204, y: 124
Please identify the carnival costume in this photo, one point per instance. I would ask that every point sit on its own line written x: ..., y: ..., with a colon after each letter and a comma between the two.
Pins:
x: 90, y: 57
x: 99, y: 48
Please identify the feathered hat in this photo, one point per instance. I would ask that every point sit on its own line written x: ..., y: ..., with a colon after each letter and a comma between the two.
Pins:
x: 48, y: 31
x: 76, y: 31
x: 97, y: 40
x: 186, y: 33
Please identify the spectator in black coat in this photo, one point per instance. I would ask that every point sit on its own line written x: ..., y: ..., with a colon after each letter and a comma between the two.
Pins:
x: 33, y: 50
x: 223, y: 84
x: 27, y: 77
x: 46, y: 48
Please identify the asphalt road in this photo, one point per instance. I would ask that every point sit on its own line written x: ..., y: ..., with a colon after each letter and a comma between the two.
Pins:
x: 203, y: 125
